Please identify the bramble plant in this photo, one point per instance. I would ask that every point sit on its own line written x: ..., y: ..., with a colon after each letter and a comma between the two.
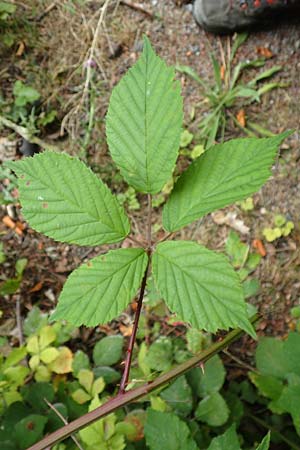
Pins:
x: 63, y: 199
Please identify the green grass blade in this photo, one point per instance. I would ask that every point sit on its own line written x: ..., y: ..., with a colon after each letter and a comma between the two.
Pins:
x: 187, y: 70
x: 238, y: 41
x: 266, y: 74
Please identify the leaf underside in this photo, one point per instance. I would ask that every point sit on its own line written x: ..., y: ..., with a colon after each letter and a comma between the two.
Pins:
x: 143, y: 123
x: 63, y: 199
x: 224, y: 174
x: 200, y: 286
x: 102, y: 288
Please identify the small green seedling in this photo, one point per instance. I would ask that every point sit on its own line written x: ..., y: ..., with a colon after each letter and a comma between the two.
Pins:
x: 282, y: 227
x: 227, y: 90
x: 11, y: 285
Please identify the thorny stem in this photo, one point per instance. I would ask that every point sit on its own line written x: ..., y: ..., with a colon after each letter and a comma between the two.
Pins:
x: 135, y: 394
x: 149, y: 218
x: 128, y: 358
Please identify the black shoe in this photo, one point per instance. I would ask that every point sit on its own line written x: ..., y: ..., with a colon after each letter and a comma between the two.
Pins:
x: 225, y: 16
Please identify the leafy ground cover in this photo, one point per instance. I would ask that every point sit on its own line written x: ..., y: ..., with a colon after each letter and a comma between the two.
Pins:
x: 35, y: 268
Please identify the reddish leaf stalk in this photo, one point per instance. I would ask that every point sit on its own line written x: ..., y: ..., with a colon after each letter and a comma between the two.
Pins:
x: 128, y: 358
x: 129, y: 351
x: 135, y: 394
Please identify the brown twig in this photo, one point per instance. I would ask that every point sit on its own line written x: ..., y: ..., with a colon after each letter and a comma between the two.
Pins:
x: 240, y: 362
x: 136, y: 241
x: 64, y: 421
x: 89, y: 62
x: 46, y: 11
x: 138, y: 7
x: 166, y: 237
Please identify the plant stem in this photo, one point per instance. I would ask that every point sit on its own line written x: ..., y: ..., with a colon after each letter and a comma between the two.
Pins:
x: 149, y: 222
x: 128, y: 359
x: 135, y: 394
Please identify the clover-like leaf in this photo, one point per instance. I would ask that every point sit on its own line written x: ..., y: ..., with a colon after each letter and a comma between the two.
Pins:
x: 62, y: 198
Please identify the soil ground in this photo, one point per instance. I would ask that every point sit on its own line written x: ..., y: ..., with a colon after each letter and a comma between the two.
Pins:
x: 49, y: 53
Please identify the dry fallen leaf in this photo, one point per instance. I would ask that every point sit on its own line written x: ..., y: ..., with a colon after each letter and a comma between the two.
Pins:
x: 16, y: 226
x: 63, y: 363
x: 222, y: 72
x: 257, y: 243
x: 37, y: 287
x: 264, y: 52
x: 241, y: 118
x: 21, y: 49
x: 126, y: 330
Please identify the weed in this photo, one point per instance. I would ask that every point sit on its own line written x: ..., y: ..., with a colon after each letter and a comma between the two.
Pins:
x: 227, y: 90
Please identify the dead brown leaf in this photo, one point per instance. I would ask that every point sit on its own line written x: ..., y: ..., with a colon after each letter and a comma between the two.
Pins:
x: 21, y: 49
x: 13, y: 225
x: 264, y: 52
x: 241, y: 118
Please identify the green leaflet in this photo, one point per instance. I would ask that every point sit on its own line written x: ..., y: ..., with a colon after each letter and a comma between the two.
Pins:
x: 227, y: 441
x: 101, y: 289
x: 143, y: 123
x: 265, y: 443
x: 200, y: 286
x: 64, y: 199
x: 209, y: 381
x: 213, y: 410
x: 224, y: 174
x: 270, y: 357
x: 166, y: 431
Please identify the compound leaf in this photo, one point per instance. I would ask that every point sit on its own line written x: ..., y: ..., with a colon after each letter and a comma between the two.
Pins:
x: 101, y: 289
x: 200, y: 286
x: 224, y: 174
x: 64, y: 199
x: 143, y: 123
